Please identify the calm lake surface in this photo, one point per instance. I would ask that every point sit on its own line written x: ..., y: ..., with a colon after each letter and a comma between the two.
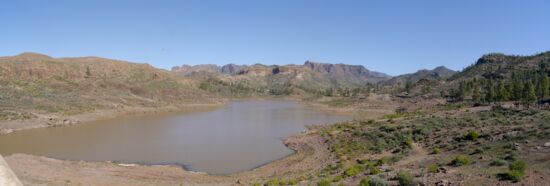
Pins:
x: 238, y: 137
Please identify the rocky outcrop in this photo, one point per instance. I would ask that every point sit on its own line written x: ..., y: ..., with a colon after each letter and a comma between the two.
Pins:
x: 339, y: 73
x: 232, y: 68
x: 356, y: 74
x: 188, y: 69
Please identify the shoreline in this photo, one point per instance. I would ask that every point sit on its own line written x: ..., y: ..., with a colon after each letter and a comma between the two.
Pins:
x: 308, y: 147
x: 53, y: 120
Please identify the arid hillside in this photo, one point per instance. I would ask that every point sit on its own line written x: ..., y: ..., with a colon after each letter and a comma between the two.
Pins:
x: 311, y: 78
x: 34, y: 84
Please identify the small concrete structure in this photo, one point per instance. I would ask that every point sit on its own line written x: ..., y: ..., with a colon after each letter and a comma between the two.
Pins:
x: 7, y: 177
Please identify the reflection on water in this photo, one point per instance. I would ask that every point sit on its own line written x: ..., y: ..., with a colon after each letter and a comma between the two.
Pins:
x: 241, y: 136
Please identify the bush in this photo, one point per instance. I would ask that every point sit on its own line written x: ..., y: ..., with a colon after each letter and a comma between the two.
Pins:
x: 516, y: 171
x: 383, y: 160
x: 288, y: 182
x: 498, y: 162
x: 471, y: 135
x: 460, y: 160
x: 404, y: 178
x: 292, y: 182
x: 374, y: 170
x: 515, y: 176
x: 337, y: 178
x: 364, y: 182
x: 352, y: 171
x: 323, y: 183
x: 436, y: 151
x: 408, y: 143
x: 376, y: 181
x: 518, y: 165
x: 272, y: 182
x: 432, y: 168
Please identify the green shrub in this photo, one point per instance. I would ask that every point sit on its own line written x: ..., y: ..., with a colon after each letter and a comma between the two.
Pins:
x: 514, y: 175
x: 374, y: 170
x: 518, y: 165
x: 461, y: 160
x: 273, y: 182
x: 292, y: 182
x: 408, y: 143
x: 376, y: 181
x: 352, y: 171
x: 337, y: 178
x: 471, y: 135
x: 364, y: 182
x: 432, y: 168
x: 516, y: 171
x: 323, y: 183
x: 404, y: 178
x: 436, y: 151
x: 383, y: 160
x: 498, y: 162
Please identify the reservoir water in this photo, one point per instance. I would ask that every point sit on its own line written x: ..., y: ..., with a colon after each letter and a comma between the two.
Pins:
x: 238, y: 137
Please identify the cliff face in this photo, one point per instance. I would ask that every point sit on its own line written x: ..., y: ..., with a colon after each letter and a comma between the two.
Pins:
x: 340, y: 74
x: 232, y: 68
x: 187, y: 69
x: 356, y: 74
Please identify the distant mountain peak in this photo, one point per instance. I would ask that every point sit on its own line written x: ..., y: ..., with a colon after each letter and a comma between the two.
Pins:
x: 33, y: 55
x: 437, y: 73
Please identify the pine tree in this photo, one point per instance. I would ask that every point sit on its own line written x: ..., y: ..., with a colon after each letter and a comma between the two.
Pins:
x: 502, y: 92
x: 529, y: 95
x: 408, y: 86
x: 517, y: 88
x: 476, y: 95
x: 543, y: 86
x: 491, y: 94
x: 460, y: 94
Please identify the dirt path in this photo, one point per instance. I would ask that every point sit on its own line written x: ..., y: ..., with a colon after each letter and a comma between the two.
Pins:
x: 416, y: 155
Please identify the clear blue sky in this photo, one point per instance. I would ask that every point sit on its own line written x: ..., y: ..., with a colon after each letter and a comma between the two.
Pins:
x: 394, y: 37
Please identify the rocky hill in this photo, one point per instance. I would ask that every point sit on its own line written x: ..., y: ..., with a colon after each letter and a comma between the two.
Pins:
x: 353, y: 74
x: 499, y: 65
x: 309, y: 78
x: 33, y: 84
x: 438, y: 73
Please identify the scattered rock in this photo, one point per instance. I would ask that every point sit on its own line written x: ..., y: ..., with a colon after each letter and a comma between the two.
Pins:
x: 6, y: 131
x: 442, y: 170
x: 443, y: 183
x: 516, y: 146
x: 547, y: 144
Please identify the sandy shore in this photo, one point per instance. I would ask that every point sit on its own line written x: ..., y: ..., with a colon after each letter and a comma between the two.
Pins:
x: 311, y: 155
